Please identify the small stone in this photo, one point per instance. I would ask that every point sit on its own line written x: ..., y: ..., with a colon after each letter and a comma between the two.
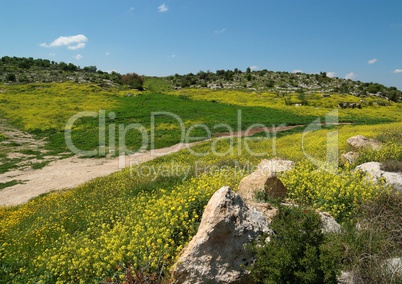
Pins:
x: 349, y: 157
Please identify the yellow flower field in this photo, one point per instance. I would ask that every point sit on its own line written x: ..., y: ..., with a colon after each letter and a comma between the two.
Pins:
x: 133, y: 222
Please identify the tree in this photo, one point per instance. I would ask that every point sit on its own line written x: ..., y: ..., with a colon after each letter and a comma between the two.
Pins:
x: 270, y: 84
x: 71, y: 67
x: 202, y: 75
x: 91, y: 69
x: 11, y: 77
x: 220, y: 72
x: 302, y: 96
x: 229, y: 75
x: 133, y: 80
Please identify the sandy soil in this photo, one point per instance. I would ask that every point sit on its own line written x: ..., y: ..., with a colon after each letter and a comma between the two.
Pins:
x: 70, y: 172
x: 73, y: 171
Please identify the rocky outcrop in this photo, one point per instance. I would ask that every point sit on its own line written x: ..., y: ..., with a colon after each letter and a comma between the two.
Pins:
x: 393, y: 266
x: 346, y: 277
x: 361, y: 142
x: 264, y: 179
x: 217, y: 253
x: 329, y: 224
x: 256, y: 180
x: 374, y: 170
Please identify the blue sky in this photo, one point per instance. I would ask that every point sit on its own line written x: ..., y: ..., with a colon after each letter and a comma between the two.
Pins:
x: 357, y: 39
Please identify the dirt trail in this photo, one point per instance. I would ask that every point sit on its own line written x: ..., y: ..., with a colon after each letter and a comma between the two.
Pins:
x: 73, y: 171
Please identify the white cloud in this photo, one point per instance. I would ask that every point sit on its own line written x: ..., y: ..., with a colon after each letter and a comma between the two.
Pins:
x: 331, y: 74
x: 372, y: 61
x: 350, y: 76
x: 107, y: 53
x: 172, y: 56
x: 77, y: 46
x: 163, y: 8
x: 72, y: 42
x: 253, y: 67
x: 78, y: 56
x: 297, y: 71
x: 52, y: 54
x: 220, y: 31
x: 397, y: 71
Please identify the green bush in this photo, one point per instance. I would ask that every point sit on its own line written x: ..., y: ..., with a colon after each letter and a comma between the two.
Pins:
x: 298, y: 252
x: 11, y: 77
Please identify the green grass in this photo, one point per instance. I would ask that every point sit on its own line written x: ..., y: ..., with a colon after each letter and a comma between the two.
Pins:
x: 3, y: 137
x: 157, y: 85
x: 37, y: 166
x: 8, y: 165
x: 44, y: 109
x: 317, y: 105
x: 3, y: 185
x: 93, y: 226
x: 96, y: 225
x: 30, y: 152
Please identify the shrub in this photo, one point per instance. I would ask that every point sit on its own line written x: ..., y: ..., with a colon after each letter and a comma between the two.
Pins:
x: 11, y: 77
x: 297, y: 253
x: 133, y: 80
x: 392, y: 166
x: 376, y: 239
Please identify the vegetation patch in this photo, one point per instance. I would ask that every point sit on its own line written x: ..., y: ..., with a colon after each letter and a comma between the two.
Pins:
x: 9, y: 183
x: 298, y: 251
x: 368, y: 244
x: 136, y: 221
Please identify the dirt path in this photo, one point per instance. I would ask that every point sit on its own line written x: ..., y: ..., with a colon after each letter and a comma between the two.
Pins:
x: 73, y: 171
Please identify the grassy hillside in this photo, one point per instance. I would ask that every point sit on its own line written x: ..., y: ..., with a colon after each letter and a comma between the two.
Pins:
x: 281, y: 83
x: 43, y: 110
x: 134, y: 221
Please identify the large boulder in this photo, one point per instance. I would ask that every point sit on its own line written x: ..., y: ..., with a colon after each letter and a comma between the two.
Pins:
x: 374, y: 170
x: 274, y: 188
x: 256, y: 181
x: 217, y: 253
x: 360, y: 142
x: 393, y: 266
x: 264, y: 179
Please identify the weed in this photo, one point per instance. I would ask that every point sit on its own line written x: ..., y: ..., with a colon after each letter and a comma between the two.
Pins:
x: 37, y: 166
x: 392, y: 166
x: 374, y: 240
x: 9, y: 183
